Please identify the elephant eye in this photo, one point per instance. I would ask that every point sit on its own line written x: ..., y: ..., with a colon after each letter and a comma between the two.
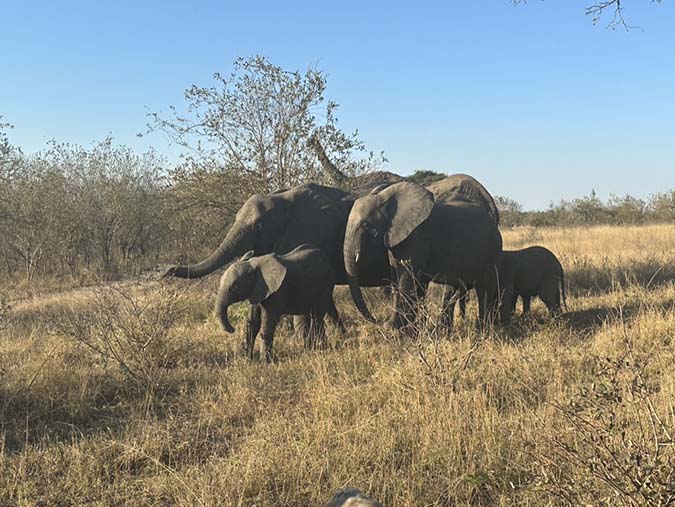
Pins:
x: 258, y: 226
x: 374, y: 232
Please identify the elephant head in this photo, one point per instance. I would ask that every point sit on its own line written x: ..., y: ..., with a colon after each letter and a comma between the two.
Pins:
x: 276, y: 222
x: 384, y: 217
x: 252, y: 278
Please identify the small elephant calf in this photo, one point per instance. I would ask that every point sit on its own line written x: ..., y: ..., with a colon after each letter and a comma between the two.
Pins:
x: 300, y: 282
x: 533, y: 271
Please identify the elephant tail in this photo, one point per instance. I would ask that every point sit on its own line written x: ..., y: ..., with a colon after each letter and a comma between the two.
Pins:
x: 562, y: 288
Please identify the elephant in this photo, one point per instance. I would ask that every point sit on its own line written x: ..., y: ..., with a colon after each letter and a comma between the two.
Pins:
x: 352, y: 497
x: 455, y: 188
x: 452, y: 296
x: 453, y: 241
x: 280, y: 221
x: 533, y: 271
x: 300, y: 282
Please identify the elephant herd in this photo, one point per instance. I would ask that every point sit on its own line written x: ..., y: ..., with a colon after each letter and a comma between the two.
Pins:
x: 293, y: 246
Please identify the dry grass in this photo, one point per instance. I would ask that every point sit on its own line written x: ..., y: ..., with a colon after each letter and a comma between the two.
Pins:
x: 578, y: 411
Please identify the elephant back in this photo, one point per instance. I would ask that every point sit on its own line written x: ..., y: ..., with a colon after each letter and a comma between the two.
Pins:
x: 363, y: 184
x: 331, y: 194
x: 462, y: 187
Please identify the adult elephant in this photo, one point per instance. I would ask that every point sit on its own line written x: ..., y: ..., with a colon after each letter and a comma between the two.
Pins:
x: 281, y: 221
x: 278, y: 222
x: 452, y: 240
x: 453, y: 189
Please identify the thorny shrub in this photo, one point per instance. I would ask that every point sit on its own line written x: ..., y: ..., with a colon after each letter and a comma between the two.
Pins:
x: 5, y: 311
x: 613, y: 448
x: 131, y: 331
x: 425, y: 334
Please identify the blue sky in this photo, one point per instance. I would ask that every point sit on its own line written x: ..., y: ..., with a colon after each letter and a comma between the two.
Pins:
x: 534, y: 100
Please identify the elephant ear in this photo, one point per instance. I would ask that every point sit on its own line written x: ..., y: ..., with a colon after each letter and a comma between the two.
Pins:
x: 408, y: 205
x: 270, y: 276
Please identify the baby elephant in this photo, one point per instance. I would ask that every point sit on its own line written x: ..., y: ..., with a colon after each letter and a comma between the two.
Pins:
x: 300, y: 282
x: 533, y: 271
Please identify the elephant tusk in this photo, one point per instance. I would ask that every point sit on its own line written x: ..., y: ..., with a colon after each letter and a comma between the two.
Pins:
x: 356, y: 257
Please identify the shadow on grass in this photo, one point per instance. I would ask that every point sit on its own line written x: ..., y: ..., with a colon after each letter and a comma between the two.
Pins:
x: 585, y: 279
x: 593, y: 318
x: 582, y: 322
x: 62, y: 406
x: 29, y: 415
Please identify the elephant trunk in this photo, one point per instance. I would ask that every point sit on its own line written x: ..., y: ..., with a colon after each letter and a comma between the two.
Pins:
x: 236, y: 243
x: 222, y: 305
x: 351, y: 252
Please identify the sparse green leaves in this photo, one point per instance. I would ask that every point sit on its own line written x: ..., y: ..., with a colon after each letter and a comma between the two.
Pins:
x: 256, y: 123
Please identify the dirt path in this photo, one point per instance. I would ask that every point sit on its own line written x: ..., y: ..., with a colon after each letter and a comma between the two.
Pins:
x: 81, y: 294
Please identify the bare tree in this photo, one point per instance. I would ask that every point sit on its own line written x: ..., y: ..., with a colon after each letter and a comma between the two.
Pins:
x: 598, y: 9
x: 256, y: 123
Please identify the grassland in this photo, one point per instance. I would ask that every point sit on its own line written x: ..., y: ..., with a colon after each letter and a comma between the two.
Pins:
x: 575, y: 411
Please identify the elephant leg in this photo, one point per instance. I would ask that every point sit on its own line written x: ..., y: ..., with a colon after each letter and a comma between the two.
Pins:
x: 489, y: 300
x: 252, y: 328
x: 311, y: 331
x: 551, y: 298
x: 269, y: 325
x: 507, y: 304
x: 448, y: 309
x: 527, y: 300
x: 463, y: 296
x: 406, y: 307
x: 481, y: 296
x: 449, y: 317
x: 290, y: 323
x: 335, y: 318
x: 318, y: 330
x: 303, y: 324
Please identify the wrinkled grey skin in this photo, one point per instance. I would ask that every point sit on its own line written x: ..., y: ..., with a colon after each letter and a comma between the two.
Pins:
x: 451, y: 296
x: 300, y: 282
x: 462, y: 188
x: 533, y: 271
x: 454, y: 241
x: 281, y: 221
x: 352, y: 497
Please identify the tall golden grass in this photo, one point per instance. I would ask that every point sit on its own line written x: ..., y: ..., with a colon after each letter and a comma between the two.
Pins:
x: 574, y: 411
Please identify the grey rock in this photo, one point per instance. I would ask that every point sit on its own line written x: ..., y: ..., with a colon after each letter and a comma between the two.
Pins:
x: 352, y: 497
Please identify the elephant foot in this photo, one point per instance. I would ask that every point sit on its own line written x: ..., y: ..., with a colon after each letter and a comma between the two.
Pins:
x: 270, y: 357
x: 248, y: 351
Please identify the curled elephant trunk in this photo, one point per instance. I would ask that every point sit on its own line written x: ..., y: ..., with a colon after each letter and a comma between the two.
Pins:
x: 236, y: 243
x: 222, y: 305
x: 351, y: 252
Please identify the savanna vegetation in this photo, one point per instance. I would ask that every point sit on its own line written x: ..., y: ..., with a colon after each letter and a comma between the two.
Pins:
x: 130, y: 394
x: 118, y: 388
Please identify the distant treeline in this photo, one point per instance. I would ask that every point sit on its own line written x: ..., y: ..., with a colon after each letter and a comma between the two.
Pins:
x: 591, y: 210
x: 107, y: 211
x: 588, y: 210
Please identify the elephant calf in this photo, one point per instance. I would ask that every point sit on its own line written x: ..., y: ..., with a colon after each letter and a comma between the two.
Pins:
x: 300, y: 282
x: 533, y: 271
